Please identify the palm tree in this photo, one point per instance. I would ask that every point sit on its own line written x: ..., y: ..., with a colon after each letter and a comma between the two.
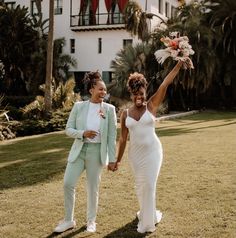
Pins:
x: 61, y: 65
x: 38, y: 22
x: 49, y: 67
x: 23, y: 53
x: 223, y: 23
x: 18, y: 41
x: 39, y: 8
x: 191, y: 21
x: 61, y: 62
x: 136, y: 20
x: 127, y: 61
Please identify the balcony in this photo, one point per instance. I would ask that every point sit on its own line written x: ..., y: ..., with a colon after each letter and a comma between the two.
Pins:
x: 101, y: 21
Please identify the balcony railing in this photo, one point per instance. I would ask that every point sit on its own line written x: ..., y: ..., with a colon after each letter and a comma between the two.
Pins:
x: 96, y: 21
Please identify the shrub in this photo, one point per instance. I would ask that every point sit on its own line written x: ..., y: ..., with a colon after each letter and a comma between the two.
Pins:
x: 39, y: 126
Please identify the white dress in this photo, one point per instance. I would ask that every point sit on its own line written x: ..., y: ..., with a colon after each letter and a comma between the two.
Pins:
x: 145, y: 156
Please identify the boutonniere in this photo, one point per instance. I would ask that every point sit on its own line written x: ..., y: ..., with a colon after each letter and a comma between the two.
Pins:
x: 102, y: 113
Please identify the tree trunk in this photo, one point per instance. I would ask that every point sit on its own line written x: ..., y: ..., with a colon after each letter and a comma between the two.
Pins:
x: 48, y: 83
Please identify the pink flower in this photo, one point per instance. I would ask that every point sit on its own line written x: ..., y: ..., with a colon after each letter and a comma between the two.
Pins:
x: 173, y: 44
x: 101, y: 113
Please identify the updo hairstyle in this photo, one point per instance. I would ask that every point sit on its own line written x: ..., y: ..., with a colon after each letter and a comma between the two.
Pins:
x: 135, y: 82
x: 90, y: 79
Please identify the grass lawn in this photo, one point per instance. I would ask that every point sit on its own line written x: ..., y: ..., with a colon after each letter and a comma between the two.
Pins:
x: 196, y: 188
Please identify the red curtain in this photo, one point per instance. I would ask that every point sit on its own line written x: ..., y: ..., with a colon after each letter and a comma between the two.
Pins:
x: 122, y: 4
x: 94, y: 8
x: 81, y: 6
x: 81, y: 11
x: 108, y: 7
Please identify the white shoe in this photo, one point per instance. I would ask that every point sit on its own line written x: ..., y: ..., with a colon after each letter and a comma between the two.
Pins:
x: 64, y: 225
x: 91, y: 226
x: 158, y: 216
x: 138, y: 215
x: 144, y: 231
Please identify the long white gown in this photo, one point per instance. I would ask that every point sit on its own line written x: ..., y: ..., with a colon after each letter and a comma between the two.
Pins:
x: 145, y: 156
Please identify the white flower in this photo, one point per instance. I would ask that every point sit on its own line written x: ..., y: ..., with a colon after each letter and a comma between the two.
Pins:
x: 174, y: 34
x: 174, y: 53
x: 161, y: 55
x: 183, y: 44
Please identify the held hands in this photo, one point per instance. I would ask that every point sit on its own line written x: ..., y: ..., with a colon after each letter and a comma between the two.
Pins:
x: 113, y: 166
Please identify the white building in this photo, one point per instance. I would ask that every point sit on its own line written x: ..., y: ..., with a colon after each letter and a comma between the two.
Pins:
x: 95, y: 33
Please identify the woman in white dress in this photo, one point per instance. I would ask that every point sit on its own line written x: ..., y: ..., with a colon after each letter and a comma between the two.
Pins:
x: 145, y: 150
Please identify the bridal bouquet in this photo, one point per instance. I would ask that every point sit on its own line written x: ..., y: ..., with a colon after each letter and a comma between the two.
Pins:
x: 178, y: 48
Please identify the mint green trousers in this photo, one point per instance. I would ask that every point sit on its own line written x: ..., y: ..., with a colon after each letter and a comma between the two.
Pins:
x: 90, y: 161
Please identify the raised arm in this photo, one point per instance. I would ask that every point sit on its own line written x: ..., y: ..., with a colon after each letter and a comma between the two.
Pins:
x: 157, y: 98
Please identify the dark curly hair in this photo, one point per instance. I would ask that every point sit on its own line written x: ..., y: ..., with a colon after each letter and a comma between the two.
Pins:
x: 90, y: 79
x: 135, y: 82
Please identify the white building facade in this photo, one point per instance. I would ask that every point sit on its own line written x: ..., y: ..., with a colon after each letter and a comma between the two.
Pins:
x: 94, y: 30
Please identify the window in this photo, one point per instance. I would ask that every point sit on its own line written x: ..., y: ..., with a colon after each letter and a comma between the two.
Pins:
x: 115, y: 13
x: 173, y: 11
x: 127, y: 42
x: 33, y: 9
x: 88, y: 12
x: 114, y: 9
x: 87, y: 16
x: 99, y: 45
x: 167, y: 9
x: 10, y: 5
x: 106, y: 76
x: 72, y: 46
x: 160, y: 6
x: 57, y: 7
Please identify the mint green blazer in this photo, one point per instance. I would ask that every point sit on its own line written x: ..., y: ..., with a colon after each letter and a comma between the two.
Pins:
x: 76, y: 125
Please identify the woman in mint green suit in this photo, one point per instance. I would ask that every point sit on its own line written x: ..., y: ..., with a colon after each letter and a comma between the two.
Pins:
x: 92, y: 124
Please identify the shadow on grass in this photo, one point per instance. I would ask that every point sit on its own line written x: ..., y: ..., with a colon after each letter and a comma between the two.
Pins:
x: 70, y: 233
x: 33, y: 160
x: 127, y: 231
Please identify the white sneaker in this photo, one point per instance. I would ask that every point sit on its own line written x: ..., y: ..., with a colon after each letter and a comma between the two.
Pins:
x: 64, y: 225
x: 158, y: 216
x: 138, y: 215
x: 91, y: 226
x: 157, y: 219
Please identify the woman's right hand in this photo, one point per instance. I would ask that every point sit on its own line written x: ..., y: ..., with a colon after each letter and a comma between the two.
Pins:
x: 90, y: 134
x: 117, y: 164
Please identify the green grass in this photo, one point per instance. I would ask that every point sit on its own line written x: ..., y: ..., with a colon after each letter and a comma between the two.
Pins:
x: 196, y: 189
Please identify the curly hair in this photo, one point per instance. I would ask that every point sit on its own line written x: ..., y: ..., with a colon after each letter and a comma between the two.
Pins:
x: 90, y: 79
x: 135, y: 82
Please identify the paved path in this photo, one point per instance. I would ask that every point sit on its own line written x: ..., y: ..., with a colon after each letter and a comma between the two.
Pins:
x: 176, y: 115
